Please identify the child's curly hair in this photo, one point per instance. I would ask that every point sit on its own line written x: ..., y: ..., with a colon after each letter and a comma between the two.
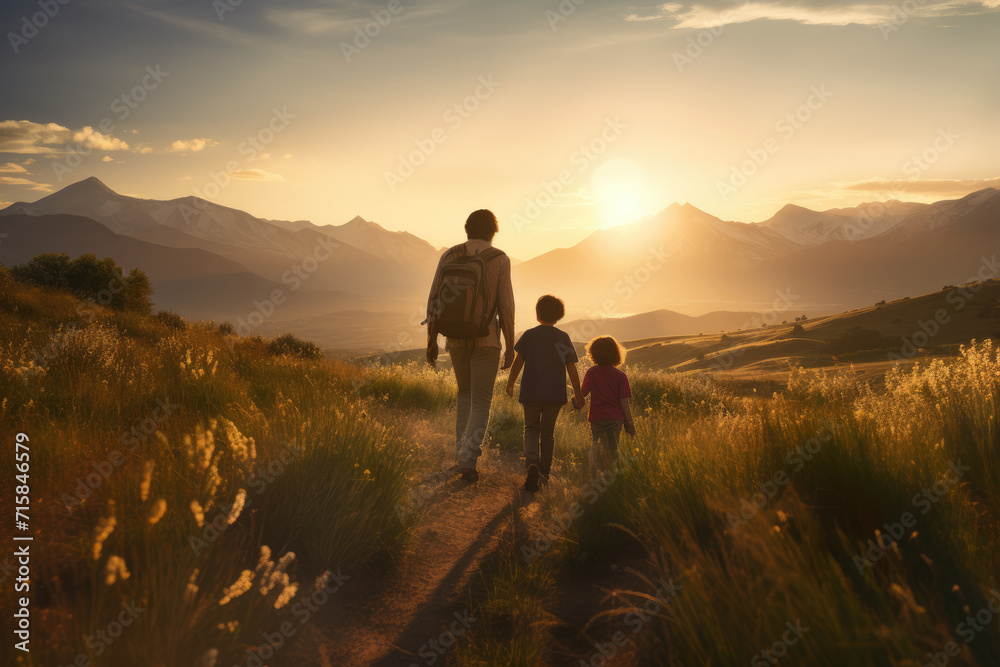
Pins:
x: 605, y: 351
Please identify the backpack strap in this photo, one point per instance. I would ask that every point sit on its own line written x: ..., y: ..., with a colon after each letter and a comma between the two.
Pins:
x: 488, y: 255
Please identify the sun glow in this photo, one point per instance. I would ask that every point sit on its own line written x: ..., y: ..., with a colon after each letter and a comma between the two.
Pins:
x: 621, y: 191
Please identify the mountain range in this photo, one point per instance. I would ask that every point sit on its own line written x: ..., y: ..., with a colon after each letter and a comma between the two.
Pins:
x: 214, y: 262
x: 688, y: 260
x: 361, y: 287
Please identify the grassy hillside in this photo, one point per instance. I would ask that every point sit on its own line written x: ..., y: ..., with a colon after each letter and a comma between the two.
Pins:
x: 175, y: 468
x: 212, y: 482
x: 866, y: 518
x: 897, y: 331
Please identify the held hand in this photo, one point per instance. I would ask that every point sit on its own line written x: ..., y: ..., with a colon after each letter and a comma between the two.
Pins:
x: 432, y: 353
x: 508, y: 359
x: 578, y: 402
x: 630, y: 428
x: 510, y: 390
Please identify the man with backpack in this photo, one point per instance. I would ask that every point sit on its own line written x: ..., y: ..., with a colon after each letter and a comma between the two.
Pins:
x: 472, y: 303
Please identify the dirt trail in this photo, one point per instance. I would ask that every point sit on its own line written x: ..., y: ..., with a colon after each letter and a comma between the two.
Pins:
x: 385, y: 619
x: 389, y: 617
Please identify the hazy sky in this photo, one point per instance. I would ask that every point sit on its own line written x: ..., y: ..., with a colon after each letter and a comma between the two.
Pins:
x: 618, y: 109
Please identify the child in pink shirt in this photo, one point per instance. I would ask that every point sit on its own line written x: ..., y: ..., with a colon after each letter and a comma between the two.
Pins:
x: 609, y: 406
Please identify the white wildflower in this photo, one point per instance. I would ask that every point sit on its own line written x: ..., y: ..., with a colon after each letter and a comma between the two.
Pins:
x: 198, y: 512
x: 239, y: 587
x: 147, y: 478
x: 104, y: 529
x: 159, y: 509
x: 237, y: 507
x: 115, y: 569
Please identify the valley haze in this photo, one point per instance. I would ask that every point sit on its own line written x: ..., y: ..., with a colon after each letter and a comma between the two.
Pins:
x: 359, y: 288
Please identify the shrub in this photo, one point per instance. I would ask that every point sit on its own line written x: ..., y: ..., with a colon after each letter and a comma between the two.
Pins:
x: 171, y: 320
x: 291, y: 345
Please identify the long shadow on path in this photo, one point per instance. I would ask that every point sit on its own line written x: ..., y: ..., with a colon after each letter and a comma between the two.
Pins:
x: 444, y: 604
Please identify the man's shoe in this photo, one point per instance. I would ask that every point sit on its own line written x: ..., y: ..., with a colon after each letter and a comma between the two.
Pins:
x: 470, y: 475
x: 531, y: 483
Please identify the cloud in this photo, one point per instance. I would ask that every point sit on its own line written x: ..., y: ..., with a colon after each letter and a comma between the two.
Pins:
x: 190, y: 145
x: 11, y: 168
x: 143, y: 149
x: 255, y: 175
x: 312, y: 21
x: 28, y: 137
x: 713, y: 13
x: 31, y: 185
x: 88, y: 136
x: 926, y: 186
x: 13, y: 180
x: 107, y: 158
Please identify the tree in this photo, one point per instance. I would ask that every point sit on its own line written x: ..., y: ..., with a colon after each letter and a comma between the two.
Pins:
x: 135, y: 296
x: 49, y: 269
x: 99, y: 280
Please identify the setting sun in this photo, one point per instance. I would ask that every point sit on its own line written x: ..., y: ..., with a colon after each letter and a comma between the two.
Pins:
x: 620, y: 189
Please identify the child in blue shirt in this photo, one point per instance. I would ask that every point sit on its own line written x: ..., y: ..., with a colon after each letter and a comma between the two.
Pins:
x: 546, y: 354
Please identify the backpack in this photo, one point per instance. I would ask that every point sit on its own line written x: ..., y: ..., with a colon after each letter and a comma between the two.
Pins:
x: 461, y: 308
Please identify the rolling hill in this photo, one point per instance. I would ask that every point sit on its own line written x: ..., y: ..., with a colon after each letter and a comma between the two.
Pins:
x: 873, y: 337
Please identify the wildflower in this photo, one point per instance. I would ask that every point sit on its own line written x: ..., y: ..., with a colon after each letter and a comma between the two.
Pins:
x: 192, y: 588
x: 265, y: 558
x: 212, y: 480
x: 239, y: 587
x: 286, y: 594
x: 286, y: 560
x: 277, y: 576
x: 115, y: 569
x: 237, y: 507
x: 242, y: 447
x: 322, y: 580
x: 232, y: 626
x: 367, y: 472
x: 104, y: 528
x: 159, y: 509
x: 199, y: 513
x: 147, y: 478
x: 206, y: 447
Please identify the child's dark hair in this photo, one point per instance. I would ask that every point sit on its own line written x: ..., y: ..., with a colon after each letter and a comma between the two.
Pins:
x: 605, y: 351
x: 550, y: 308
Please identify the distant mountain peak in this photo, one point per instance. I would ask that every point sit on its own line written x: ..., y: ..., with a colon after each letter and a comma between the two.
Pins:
x: 91, y: 183
x: 358, y: 221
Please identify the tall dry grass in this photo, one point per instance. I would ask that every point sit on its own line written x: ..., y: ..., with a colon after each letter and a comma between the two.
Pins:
x: 194, y: 477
